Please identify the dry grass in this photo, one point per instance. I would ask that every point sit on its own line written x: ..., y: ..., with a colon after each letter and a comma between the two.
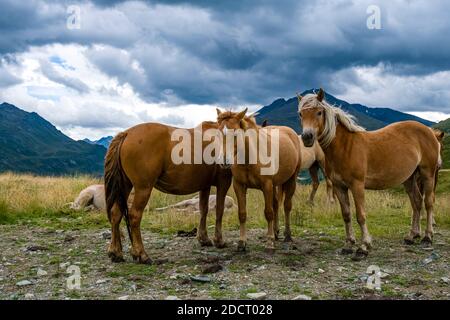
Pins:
x: 27, y: 199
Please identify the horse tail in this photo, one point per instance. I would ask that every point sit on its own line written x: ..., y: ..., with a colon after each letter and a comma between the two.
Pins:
x: 117, y: 184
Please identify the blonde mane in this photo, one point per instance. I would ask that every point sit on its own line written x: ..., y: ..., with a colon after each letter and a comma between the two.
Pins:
x: 332, y: 115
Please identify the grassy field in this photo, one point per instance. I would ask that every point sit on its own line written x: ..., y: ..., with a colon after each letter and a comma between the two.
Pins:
x: 33, y: 208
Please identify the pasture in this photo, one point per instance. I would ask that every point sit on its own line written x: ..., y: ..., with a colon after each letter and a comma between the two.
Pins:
x: 40, y: 239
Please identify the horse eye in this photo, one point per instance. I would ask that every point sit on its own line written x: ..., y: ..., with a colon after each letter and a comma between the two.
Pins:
x: 299, y: 115
x: 319, y: 113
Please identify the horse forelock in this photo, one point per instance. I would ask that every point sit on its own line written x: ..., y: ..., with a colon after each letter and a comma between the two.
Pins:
x: 332, y: 116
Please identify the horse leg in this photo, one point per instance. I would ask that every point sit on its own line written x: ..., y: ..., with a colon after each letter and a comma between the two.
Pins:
x: 222, y: 190
x: 140, y: 200
x: 202, y: 233
x: 330, y: 193
x: 415, y: 198
x: 268, y: 191
x: 115, y: 247
x: 428, y: 190
x: 241, y: 194
x: 289, y: 190
x: 313, y: 172
x: 276, y: 202
x: 344, y: 202
x: 366, y: 243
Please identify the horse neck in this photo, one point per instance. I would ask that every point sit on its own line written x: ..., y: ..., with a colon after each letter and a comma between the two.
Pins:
x: 336, y: 146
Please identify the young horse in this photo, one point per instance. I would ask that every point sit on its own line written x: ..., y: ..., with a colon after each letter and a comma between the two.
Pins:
x: 250, y: 175
x: 313, y: 159
x: 400, y: 153
x: 140, y: 157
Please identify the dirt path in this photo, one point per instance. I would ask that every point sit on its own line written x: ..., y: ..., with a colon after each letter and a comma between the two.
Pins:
x: 34, y: 264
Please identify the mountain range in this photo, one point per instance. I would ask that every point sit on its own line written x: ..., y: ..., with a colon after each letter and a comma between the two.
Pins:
x: 105, y: 141
x: 29, y: 143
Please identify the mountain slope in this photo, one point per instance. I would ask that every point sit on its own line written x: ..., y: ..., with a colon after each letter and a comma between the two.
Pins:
x: 443, y: 125
x: 29, y: 143
x: 105, y: 141
x: 284, y: 112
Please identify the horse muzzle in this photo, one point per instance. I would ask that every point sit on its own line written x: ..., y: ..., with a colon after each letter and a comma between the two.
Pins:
x: 308, y: 139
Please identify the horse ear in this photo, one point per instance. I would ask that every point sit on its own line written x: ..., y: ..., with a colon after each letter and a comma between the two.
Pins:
x: 320, y: 95
x: 264, y: 124
x: 218, y: 112
x: 299, y: 97
x: 241, y: 114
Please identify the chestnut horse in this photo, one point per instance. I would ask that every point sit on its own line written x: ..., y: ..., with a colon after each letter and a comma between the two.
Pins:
x: 141, y: 157
x: 401, y: 153
x: 250, y: 175
x: 313, y: 159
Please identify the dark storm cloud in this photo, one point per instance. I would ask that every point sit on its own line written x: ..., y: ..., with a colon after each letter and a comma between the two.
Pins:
x: 232, y: 52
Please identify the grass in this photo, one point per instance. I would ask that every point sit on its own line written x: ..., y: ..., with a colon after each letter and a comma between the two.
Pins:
x: 27, y: 199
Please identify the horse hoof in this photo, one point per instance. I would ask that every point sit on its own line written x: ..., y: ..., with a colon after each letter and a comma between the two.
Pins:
x: 408, y: 241
x: 220, y: 244
x: 115, y: 258
x: 206, y: 243
x: 426, y: 241
x: 287, y: 239
x: 269, y: 250
x: 242, y: 246
x: 146, y: 261
x: 346, y: 251
x: 360, y: 254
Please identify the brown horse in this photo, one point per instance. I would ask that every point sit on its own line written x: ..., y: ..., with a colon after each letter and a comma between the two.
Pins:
x: 313, y: 159
x: 250, y: 175
x: 400, y: 153
x: 141, y: 157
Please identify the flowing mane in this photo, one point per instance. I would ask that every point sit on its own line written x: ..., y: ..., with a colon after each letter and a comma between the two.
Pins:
x: 332, y: 115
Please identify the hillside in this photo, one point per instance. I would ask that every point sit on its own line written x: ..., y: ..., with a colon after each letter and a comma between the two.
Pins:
x: 443, y: 125
x: 105, y: 141
x: 29, y: 143
x: 284, y: 112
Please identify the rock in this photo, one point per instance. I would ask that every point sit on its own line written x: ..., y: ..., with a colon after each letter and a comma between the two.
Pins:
x: 24, y: 283
x: 188, y: 234
x: 41, y: 272
x: 64, y: 265
x: 320, y: 270
x: 161, y: 261
x: 302, y: 297
x: 123, y: 298
x: 69, y: 238
x: 212, y: 268
x: 101, y: 281
x: 261, y: 268
x: 257, y: 295
x: 445, y: 280
x: 29, y: 296
x: 171, y: 298
x: 222, y: 286
x: 33, y: 248
x: 106, y: 235
x: 434, y: 256
x: 202, y: 279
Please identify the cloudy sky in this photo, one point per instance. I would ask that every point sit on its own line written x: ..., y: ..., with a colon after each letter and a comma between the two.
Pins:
x: 120, y: 63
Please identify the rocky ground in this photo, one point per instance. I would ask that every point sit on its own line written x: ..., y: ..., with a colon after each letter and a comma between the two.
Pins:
x: 40, y: 263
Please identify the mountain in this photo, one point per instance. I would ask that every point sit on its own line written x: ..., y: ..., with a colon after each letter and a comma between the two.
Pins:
x: 105, y: 141
x: 284, y: 112
x: 443, y: 125
x: 29, y: 143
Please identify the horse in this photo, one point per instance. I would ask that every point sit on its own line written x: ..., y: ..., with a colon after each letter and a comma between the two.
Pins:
x: 251, y: 175
x: 313, y: 159
x: 141, y: 158
x: 193, y: 204
x: 401, y: 153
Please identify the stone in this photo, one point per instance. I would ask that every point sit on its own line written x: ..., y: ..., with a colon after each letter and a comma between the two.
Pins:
x: 445, y: 280
x: 320, y: 270
x: 123, y: 298
x: 172, y: 298
x: 106, y: 235
x: 41, y: 272
x: 101, y: 281
x: 202, y: 279
x: 257, y: 295
x: 212, y: 268
x: 29, y: 296
x: 302, y: 297
x: 24, y: 283
x: 33, y: 248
